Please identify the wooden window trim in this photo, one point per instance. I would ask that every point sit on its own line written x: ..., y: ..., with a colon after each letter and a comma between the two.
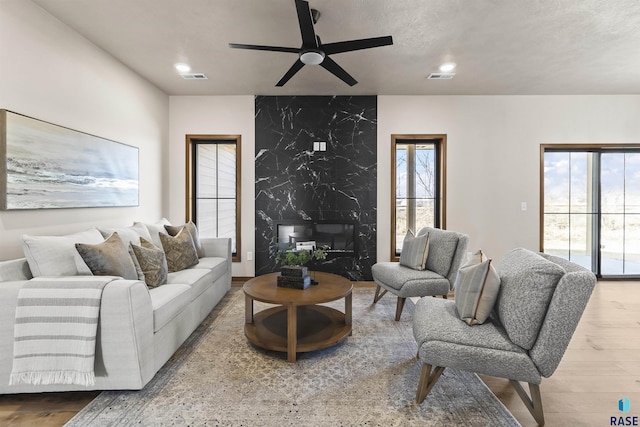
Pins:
x: 442, y: 164
x: 190, y: 144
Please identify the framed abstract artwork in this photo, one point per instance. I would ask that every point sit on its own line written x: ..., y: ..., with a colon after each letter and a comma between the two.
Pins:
x: 46, y: 166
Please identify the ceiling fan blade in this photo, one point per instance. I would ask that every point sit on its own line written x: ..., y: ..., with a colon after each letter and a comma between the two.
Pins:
x: 305, y: 20
x: 348, y: 46
x: 269, y: 48
x: 331, y: 66
x: 292, y: 71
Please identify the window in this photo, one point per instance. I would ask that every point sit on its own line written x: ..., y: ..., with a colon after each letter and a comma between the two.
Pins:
x: 417, y: 185
x: 590, y: 202
x: 213, y: 186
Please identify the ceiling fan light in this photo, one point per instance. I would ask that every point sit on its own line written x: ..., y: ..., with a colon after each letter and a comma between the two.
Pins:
x: 312, y: 57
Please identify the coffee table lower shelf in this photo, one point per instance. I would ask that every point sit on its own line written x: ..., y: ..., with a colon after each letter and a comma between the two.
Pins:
x: 318, y: 327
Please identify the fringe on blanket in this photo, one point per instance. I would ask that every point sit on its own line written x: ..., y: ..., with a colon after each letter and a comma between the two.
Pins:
x: 53, y: 377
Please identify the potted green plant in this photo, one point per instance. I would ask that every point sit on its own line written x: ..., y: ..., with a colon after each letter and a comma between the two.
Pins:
x: 298, y: 259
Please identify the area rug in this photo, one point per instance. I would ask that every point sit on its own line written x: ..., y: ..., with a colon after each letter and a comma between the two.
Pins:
x: 217, y: 378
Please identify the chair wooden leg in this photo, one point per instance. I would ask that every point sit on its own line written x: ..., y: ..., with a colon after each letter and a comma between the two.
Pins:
x: 427, y: 380
x: 378, y: 295
x: 399, y: 307
x: 533, y: 403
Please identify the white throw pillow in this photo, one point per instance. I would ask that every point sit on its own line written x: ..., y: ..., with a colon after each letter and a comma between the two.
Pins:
x: 57, y: 255
x: 154, y: 230
x: 415, y: 250
x: 476, y: 289
x: 127, y: 234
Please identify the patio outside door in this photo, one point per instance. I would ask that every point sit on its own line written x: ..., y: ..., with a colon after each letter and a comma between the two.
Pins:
x: 591, y: 208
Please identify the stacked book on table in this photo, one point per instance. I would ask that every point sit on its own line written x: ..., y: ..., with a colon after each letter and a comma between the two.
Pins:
x: 295, y: 277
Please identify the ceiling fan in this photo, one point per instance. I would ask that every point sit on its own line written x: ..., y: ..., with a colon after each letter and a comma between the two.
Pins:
x: 313, y: 52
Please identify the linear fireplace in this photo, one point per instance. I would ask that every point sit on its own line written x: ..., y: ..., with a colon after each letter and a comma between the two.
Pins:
x: 338, y: 238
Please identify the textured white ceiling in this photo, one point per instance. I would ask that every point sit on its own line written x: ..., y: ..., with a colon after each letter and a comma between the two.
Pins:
x: 504, y: 47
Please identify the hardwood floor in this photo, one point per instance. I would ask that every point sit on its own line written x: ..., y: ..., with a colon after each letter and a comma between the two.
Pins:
x: 601, y: 366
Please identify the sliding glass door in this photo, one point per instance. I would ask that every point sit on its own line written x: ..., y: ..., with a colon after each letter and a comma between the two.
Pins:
x: 591, y: 207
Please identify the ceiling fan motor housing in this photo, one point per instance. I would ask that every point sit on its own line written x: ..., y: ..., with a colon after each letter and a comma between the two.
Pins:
x: 312, y: 56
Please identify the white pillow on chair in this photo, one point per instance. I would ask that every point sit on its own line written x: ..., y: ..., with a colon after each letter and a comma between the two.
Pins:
x: 476, y: 289
x: 415, y: 250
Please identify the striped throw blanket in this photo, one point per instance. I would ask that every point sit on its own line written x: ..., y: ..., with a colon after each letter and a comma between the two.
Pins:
x: 55, y: 330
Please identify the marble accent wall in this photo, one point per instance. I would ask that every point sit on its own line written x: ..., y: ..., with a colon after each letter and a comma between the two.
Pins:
x: 294, y: 182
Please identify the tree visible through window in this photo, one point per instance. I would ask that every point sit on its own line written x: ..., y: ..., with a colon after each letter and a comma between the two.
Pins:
x: 417, y: 186
x: 213, y: 190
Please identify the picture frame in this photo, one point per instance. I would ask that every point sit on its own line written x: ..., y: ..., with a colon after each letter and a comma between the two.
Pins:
x: 47, y: 166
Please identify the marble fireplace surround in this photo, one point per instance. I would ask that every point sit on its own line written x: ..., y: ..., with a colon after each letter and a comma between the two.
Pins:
x: 296, y: 183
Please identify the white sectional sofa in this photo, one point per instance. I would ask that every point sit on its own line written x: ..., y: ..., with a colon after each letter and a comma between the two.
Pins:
x: 138, y: 329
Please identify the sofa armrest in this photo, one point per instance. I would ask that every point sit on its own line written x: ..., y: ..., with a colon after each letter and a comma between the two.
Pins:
x: 124, y: 346
x: 126, y: 334
x: 217, y: 247
x: 15, y: 269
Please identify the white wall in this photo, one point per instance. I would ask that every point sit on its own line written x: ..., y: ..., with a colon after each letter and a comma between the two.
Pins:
x: 493, y: 155
x: 215, y: 115
x: 49, y: 72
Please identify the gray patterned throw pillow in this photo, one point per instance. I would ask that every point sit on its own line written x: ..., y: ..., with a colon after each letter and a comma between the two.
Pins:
x: 179, y: 250
x: 193, y: 231
x: 153, y: 263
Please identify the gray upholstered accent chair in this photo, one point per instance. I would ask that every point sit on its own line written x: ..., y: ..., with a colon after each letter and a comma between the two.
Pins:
x: 540, y: 302
x: 447, y: 250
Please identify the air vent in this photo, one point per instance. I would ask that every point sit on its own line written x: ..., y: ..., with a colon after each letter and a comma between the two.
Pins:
x: 194, y: 76
x: 441, y: 76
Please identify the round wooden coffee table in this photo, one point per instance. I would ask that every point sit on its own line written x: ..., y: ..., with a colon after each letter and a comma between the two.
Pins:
x: 297, y: 324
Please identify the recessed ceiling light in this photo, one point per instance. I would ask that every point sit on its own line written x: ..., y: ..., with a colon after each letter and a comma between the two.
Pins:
x: 447, y: 67
x: 182, y: 68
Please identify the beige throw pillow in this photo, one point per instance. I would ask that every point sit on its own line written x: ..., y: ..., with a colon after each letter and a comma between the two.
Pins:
x: 179, y: 250
x: 415, y: 250
x: 476, y: 290
x: 152, y: 262
x: 193, y: 231
x: 109, y: 258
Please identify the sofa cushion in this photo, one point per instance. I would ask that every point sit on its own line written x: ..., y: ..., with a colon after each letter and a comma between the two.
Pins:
x: 57, y: 255
x: 528, y: 282
x: 217, y: 265
x: 109, y: 258
x: 477, y: 287
x: 127, y: 234
x: 173, y: 230
x: 198, y: 279
x: 415, y: 250
x: 167, y: 302
x: 180, y: 251
x: 152, y: 262
x: 442, y: 244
